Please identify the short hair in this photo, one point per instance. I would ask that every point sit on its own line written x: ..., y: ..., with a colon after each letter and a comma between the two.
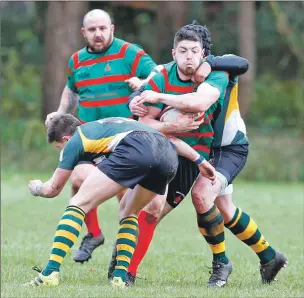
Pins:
x: 186, y: 34
x: 96, y: 12
x: 204, y: 34
x: 61, y: 125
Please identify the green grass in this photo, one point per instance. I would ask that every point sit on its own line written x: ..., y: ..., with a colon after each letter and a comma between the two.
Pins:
x: 176, y: 263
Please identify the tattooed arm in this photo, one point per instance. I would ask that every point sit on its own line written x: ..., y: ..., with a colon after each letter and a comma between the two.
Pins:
x: 68, y: 104
x: 53, y: 186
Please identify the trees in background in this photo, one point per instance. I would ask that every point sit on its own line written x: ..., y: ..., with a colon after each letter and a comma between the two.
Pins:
x: 247, y: 49
x: 62, y: 38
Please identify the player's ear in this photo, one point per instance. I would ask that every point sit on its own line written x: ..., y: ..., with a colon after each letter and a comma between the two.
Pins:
x: 173, y: 54
x: 112, y: 28
x: 83, y: 33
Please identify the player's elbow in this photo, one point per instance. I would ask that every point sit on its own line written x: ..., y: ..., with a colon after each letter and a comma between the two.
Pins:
x: 207, y: 100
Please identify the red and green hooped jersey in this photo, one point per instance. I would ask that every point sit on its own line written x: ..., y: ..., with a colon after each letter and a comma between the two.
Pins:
x: 167, y: 81
x: 98, y: 79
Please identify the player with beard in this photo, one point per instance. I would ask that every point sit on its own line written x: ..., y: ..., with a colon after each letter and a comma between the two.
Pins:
x: 100, y: 77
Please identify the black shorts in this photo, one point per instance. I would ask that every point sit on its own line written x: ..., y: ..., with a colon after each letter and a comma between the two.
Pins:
x: 144, y: 158
x: 180, y: 186
x: 229, y: 160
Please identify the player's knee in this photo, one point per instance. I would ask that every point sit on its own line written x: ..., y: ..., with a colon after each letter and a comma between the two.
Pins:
x: 199, y: 197
x: 155, y: 207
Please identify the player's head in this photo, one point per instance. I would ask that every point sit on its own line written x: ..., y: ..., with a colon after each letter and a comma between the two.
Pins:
x: 204, y: 34
x: 61, y: 128
x: 187, y: 50
x: 97, y: 30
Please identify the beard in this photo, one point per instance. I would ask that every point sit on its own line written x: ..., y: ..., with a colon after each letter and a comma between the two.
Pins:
x: 94, y: 48
x: 187, y: 71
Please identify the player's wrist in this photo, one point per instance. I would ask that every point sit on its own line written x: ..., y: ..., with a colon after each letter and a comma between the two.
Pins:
x: 199, y: 160
x: 37, y: 190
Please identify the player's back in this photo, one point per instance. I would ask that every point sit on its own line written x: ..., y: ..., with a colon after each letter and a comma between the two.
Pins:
x: 230, y: 128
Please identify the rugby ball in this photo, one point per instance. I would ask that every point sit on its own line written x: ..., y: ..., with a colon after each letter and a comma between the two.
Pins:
x: 170, y: 114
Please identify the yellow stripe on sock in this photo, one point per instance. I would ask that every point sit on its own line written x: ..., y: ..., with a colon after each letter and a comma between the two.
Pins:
x: 67, y: 235
x: 128, y: 226
x: 78, y: 209
x: 61, y: 246
x: 71, y: 223
x: 214, y: 231
x: 121, y: 267
x: 131, y: 219
x: 236, y: 220
x: 249, y: 231
x: 218, y: 248
x: 127, y: 236
x: 74, y: 214
x: 56, y: 258
x: 125, y: 247
x: 123, y: 258
x: 261, y: 245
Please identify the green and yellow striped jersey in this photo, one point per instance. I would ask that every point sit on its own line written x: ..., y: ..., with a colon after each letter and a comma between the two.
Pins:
x: 93, y: 140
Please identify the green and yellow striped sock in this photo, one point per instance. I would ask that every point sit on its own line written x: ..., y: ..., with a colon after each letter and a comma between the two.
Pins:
x: 125, y: 245
x: 245, y: 228
x: 66, y: 235
x: 211, y: 226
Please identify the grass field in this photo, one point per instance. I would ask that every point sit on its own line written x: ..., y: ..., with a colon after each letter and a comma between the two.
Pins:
x: 176, y: 265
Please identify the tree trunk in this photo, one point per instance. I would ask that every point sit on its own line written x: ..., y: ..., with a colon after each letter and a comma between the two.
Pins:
x: 62, y: 39
x: 170, y: 17
x: 247, y: 50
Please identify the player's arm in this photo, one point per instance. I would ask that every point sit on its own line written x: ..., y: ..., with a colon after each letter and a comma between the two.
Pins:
x: 140, y: 64
x: 69, y: 97
x: 183, y: 124
x: 53, y: 186
x: 183, y: 149
x: 207, y: 93
x: 232, y: 64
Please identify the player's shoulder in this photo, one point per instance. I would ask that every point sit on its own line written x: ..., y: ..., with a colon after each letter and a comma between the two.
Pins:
x: 75, y: 57
x: 169, y: 67
x: 218, y: 75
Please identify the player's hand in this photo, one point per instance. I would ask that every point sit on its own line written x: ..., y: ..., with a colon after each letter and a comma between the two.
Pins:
x: 35, y: 187
x: 202, y: 73
x: 185, y: 123
x: 49, y: 118
x: 149, y: 96
x: 136, y: 108
x: 207, y: 170
x: 134, y: 83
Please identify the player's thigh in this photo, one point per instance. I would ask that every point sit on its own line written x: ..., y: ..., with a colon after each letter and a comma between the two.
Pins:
x: 80, y: 173
x: 136, y: 200
x: 96, y: 189
x: 156, y: 206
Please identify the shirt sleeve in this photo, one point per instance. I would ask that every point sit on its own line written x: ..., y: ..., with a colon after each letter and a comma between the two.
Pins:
x: 233, y: 64
x: 71, y: 154
x: 70, y: 81
x: 157, y: 84
x: 139, y: 62
x: 219, y: 80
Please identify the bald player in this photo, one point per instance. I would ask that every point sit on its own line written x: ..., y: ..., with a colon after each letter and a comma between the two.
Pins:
x: 100, y: 80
